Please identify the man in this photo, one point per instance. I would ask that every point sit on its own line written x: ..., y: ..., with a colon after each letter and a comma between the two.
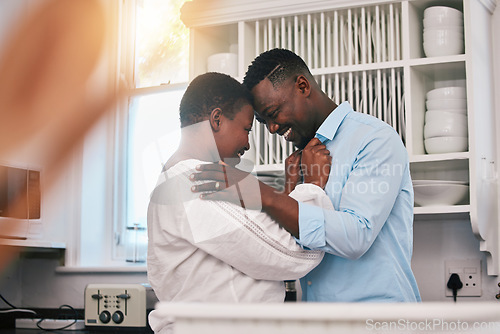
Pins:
x: 368, y: 237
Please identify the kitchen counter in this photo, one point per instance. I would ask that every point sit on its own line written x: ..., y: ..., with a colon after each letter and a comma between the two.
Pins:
x: 327, y: 318
x: 90, y: 331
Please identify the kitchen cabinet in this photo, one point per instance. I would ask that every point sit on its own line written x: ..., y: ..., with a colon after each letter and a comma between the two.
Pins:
x: 371, y: 54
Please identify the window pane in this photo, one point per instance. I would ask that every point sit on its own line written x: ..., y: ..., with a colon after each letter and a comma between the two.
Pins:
x: 154, y: 134
x: 161, y: 43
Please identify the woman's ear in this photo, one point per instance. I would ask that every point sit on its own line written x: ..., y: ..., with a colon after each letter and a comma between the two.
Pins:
x: 303, y: 85
x: 216, y: 119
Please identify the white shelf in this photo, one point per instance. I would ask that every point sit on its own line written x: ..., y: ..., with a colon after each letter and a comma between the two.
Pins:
x: 358, y: 67
x: 441, y: 209
x: 32, y: 243
x: 439, y: 157
x: 118, y: 269
x: 437, y: 60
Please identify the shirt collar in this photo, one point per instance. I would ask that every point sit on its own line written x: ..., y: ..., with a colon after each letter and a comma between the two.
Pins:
x: 329, y: 127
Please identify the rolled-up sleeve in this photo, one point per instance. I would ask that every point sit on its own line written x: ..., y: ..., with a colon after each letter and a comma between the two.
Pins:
x: 312, y: 201
x: 312, y: 226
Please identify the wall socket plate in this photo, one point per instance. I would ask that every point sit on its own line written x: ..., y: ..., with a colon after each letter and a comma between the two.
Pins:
x: 469, y: 272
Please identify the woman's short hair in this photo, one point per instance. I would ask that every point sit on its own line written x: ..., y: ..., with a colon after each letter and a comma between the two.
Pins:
x: 209, y: 91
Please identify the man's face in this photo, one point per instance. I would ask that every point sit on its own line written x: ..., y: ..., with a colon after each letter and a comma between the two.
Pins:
x: 285, y: 111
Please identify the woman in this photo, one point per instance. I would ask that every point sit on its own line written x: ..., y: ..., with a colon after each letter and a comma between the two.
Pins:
x: 212, y: 251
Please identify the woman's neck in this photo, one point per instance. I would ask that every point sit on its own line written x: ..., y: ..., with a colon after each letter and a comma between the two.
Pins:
x: 197, y: 142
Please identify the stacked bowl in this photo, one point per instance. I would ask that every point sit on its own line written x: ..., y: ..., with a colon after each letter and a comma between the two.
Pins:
x: 443, y: 31
x: 445, y: 128
x: 439, y: 192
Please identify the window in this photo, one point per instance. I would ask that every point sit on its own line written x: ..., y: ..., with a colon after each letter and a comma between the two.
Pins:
x: 159, y: 45
x: 153, y: 135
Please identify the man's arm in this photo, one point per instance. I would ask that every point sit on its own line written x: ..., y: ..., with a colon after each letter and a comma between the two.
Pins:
x: 282, y: 208
x: 234, y: 185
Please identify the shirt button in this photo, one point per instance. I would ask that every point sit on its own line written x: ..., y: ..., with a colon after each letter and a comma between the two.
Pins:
x: 309, y: 283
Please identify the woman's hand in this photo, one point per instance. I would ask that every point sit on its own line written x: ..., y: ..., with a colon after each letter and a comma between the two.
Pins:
x: 292, y: 171
x: 316, y: 163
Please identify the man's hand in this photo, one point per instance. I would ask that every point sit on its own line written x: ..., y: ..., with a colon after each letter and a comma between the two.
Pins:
x: 229, y: 184
x: 316, y: 163
x: 292, y: 171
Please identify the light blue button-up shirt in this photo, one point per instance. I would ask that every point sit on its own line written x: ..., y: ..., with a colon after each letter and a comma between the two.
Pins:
x: 368, y: 239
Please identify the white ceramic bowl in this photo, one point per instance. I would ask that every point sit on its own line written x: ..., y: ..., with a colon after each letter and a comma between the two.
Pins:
x: 451, y: 111
x: 440, y: 104
x: 453, y: 28
x: 443, y: 47
x: 426, y: 182
x: 443, y: 42
x: 437, y: 31
x: 443, y: 13
x: 444, y: 129
x: 449, y: 34
x: 447, y: 93
x: 443, y: 116
x: 439, y: 194
x: 442, y: 21
x: 437, y: 145
x: 224, y: 63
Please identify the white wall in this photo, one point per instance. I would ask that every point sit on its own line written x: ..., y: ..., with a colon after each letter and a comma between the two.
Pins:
x: 438, y: 240
x: 32, y: 282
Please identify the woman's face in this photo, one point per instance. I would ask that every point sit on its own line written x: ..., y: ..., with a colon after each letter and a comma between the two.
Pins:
x: 232, y: 138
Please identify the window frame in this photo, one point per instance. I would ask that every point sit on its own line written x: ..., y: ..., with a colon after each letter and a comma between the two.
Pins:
x: 126, y: 70
x: 95, y: 239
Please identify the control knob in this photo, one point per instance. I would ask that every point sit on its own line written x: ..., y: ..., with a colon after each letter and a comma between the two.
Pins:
x: 105, y: 317
x: 118, y: 317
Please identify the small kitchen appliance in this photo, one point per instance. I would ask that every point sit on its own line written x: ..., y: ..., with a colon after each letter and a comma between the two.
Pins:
x: 115, y: 305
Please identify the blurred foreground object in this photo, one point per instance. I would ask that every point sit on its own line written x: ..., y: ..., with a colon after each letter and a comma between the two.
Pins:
x: 45, y: 105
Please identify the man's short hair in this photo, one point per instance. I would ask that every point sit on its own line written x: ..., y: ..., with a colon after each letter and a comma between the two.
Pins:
x: 277, y: 65
x: 209, y: 91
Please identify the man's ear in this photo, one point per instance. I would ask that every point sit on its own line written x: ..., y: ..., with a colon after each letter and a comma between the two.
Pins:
x: 303, y: 85
x: 216, y: 119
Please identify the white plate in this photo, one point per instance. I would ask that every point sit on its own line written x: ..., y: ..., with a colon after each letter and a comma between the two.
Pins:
x: 348, y: 40
x: 374, y: 41
x: 388, y: 112
x: 401, y: 117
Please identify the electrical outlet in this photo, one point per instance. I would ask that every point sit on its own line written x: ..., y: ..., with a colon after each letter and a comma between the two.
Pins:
x: 469, y: 272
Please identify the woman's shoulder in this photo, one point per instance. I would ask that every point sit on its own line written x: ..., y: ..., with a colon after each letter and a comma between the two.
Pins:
x: 174, y: 185
x: 177, y: 166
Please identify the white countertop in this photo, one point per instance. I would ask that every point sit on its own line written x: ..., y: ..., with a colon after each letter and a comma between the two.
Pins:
x: 319, y: 318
